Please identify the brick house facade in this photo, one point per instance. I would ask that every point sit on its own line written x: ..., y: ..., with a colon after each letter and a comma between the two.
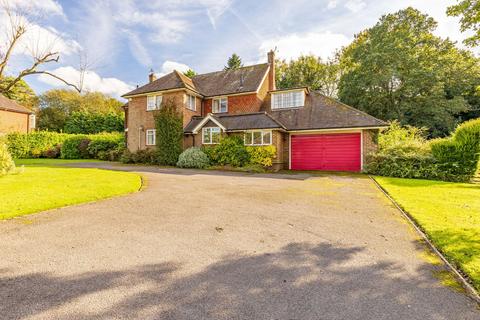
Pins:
x: 14, y: 117
x: 309, y: 130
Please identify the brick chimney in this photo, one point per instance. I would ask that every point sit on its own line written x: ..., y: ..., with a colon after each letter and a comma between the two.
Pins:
x: 151, y: 76
x: 271, y: 73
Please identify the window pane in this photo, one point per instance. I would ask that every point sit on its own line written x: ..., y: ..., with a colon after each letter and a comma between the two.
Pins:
x: 257, y: 137
x: 223, y: 105
x: 215, y: 106
x: 158, y: 101
x: 150, y: 102
x: 206, y: 135
x: 267, y: 137
x: 248, y: 138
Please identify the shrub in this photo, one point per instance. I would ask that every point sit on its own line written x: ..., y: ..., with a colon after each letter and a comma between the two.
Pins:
x: 71, y: 147
x: 193, y: 158
x: 169, y: 134
x: 53, y: 152
x: 230, y: 151
x: 84, y: 122
x: 34, y: 144
x: 147, y: 156
x: 106, y: 143
x: 402, y: 166
x: 403, y: 140
x: 262, y: 155
x: 6, y: 162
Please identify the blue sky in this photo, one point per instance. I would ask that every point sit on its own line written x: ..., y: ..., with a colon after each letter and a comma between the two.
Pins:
x: 123, y: 39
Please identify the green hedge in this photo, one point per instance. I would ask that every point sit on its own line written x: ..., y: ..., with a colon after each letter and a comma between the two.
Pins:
x: 104, y: 146
x: 32, y: 145
x: 262, y: 155
x: 169, y: 133
x: 455, y: 158
x: 230, y: 151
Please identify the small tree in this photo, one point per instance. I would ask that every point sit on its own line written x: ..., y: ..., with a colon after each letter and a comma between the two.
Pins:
x: 6, y: 163
x: 190, y: 73
x: 234, y: 62
x: 169, y: 138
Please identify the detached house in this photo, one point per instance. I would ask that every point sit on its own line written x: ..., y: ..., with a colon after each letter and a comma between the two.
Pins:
x: 310, y: 131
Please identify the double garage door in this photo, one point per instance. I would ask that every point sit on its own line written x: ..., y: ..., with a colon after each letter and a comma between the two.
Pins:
x: 329, y: 152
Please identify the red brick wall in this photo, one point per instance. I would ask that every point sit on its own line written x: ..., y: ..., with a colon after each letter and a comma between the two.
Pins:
x: 13, y: 122
x: 245, y: 103
x: 369, y: 143
x: 138, y: 116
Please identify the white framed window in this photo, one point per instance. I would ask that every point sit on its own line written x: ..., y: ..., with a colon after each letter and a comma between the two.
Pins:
x: 191, y: 102
x: 31, y: 121
x: 150, y: 137
x: 290, y: 99
x: 154, y: 102
x: 220, y: 105
x: 211, y: 135
x: 258, y: 138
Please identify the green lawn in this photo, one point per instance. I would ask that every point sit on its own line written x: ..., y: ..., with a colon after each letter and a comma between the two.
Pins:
x: 39, y: 188
x: 448, y: 212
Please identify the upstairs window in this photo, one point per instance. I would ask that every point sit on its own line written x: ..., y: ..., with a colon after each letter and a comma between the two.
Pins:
x: 154, y: 102
x: 220, y: 105
x: 191, y: 102
x: 211, y: 135
x: 31, y: 121
x: 290, y: 99
x: 258, y: 138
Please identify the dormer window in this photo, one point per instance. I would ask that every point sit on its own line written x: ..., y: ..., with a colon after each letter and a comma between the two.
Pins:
x: 288, y: 99
x: 154, y: 102
x: 220, y: 105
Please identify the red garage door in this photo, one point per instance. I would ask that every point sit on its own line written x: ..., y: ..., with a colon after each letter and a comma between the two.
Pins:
x: 330, y: 152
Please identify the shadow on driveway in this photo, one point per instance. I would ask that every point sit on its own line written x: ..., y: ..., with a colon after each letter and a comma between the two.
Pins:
x: 299, y: 281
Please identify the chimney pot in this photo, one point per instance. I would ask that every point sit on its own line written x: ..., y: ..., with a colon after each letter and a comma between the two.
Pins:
x: 151, y: 76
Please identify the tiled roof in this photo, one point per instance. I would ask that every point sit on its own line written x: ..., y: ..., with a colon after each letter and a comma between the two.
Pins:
x: 321, y: 112
x: 246, y: 121
x: 11, y: 105
x: 244, y: 79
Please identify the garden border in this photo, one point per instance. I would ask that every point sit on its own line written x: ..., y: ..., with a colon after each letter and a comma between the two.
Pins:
x: 470, y: 290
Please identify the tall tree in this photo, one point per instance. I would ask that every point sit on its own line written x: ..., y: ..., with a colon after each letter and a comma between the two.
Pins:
x: 234, y: 62
x: 190, y: 73
x: 399, y: 69
x: 469, y: 13
x: 310, y: 71
x: 20, y: 92
x: 58, y: 104
x: 18, y: 34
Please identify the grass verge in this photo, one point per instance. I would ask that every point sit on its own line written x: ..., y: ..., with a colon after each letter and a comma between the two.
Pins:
x: 449, y: 213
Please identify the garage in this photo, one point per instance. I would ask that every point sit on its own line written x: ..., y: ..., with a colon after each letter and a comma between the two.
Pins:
x: 328, y: 152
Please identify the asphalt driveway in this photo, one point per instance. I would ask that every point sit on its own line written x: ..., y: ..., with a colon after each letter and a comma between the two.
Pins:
x: 206, y: 245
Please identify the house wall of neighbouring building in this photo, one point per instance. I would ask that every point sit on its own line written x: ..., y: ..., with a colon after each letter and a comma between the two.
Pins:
x: 139, y: 116
x: 13, y: 122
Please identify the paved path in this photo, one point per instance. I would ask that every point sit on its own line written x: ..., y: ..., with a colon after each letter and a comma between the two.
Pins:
x: 206, y: 245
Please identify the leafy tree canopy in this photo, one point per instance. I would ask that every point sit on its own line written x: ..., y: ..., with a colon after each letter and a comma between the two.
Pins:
x: 20, y: 92
x: 234, y: 62
x: 58, y: 104
x: 469, y: 13
x: 310, y: 71
x: 399, y: 69
x: 190, y: 73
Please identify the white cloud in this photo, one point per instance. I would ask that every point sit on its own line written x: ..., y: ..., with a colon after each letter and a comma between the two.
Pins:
x: 332, y: 4
x: 92, y: 81
x: 355, y: 5
x: 38, y: 7
x: 292, y: 46
x: 168, y: 66
x: 138, y: 50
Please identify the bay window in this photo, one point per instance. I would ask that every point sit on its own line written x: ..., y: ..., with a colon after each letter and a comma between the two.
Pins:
x: 258, y: 138
x: 211, y: 135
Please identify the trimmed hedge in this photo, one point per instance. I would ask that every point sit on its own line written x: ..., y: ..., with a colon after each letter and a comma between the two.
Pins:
x: 34, y: 144
x: 84, y: 122
x: 103, y: 146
